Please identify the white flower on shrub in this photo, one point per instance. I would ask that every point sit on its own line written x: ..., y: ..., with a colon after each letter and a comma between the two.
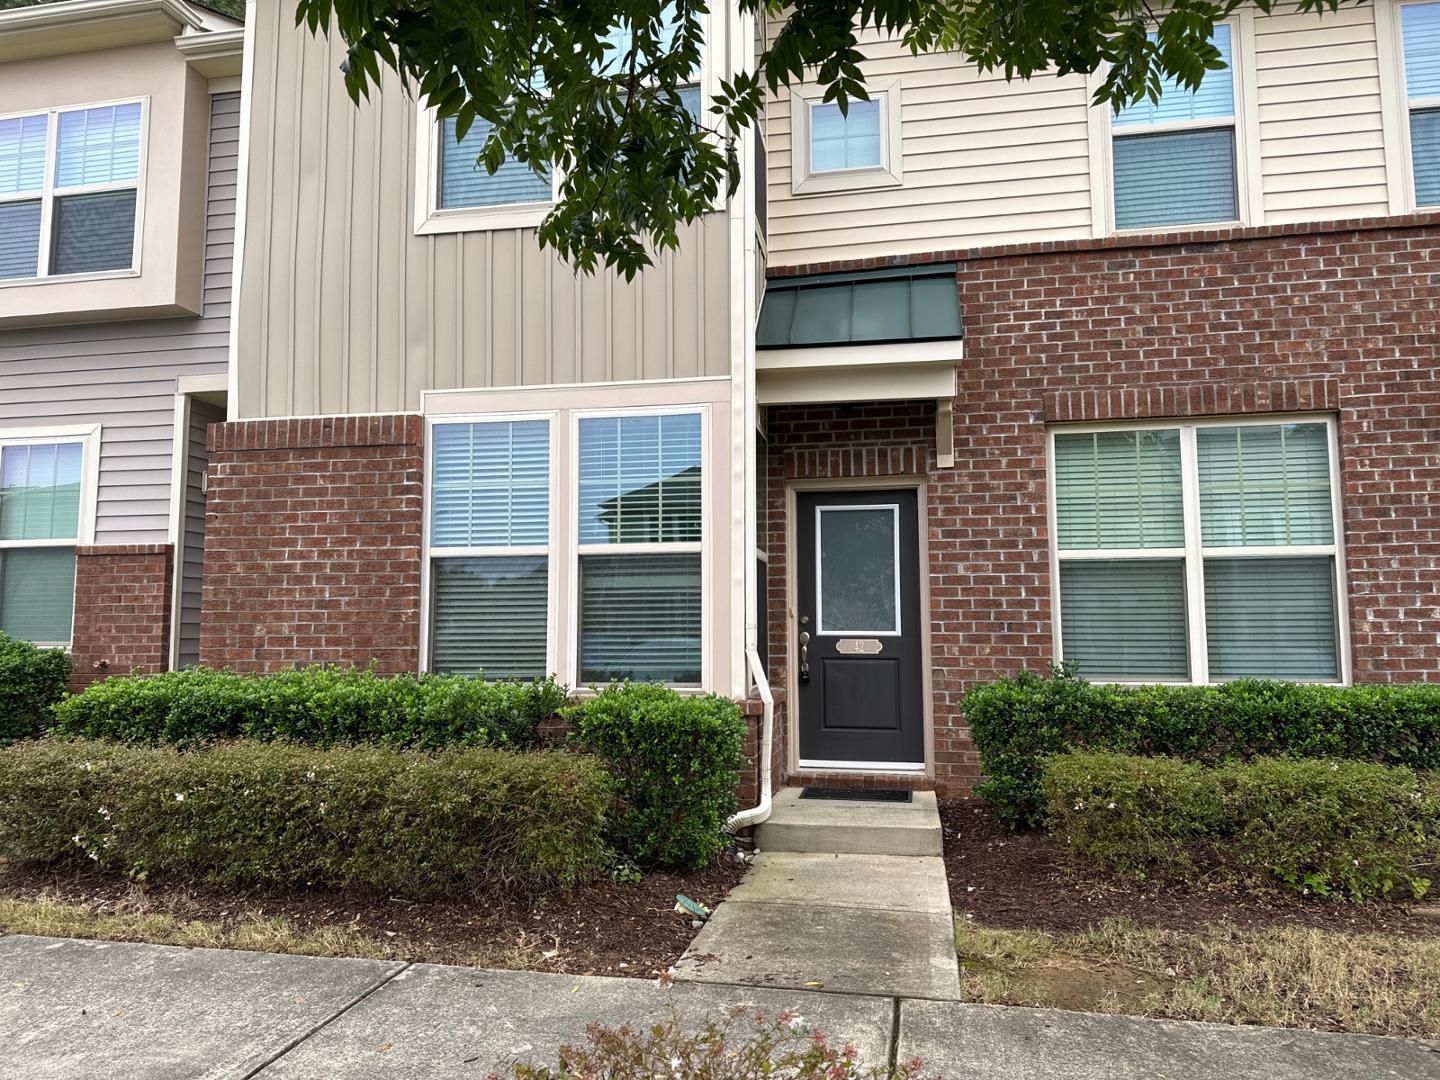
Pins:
x: 310, y: 774
x: 179, y: 796
x: 77, y: 839
x: 1110, y: 807
x: 105, y: 813
x: 1079, y: 806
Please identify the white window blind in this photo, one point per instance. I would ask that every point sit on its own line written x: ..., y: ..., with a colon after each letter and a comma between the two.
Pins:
x: 73, y: 213
x: 1239, y: 582
x: 1174, y: 160
x: 1420, y: 27
x: 464, y: 182
x: 640, y: 529
x: 40, y: 485
x: 489, y: 548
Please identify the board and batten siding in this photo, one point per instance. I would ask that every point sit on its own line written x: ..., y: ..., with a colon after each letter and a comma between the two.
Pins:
x: 122, y: 375
x: 993, y: 162
x: 344, y: 309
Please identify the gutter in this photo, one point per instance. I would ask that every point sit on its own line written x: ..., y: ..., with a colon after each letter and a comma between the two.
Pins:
x: 761, y: 810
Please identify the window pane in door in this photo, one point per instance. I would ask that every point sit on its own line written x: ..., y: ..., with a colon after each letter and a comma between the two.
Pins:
x: 489, y: 616
x: 20, y: 239
x: 40, y: 491
x: 640, y: 618
x: 1265, y: 485
x: 94, y: 232
x: 1124, y: 619
x: 857, y: 557
x: 1271, y: 617
x: 1119, y: 489
x: 37, y: 593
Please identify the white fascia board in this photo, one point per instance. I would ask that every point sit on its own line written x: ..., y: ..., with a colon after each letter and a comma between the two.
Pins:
x: 874, y: 382
x: 216, y: 54
x: 74, y: 26
x: 947, y: 350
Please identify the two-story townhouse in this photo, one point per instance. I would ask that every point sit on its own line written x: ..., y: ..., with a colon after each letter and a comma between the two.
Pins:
x: 976, y: 377
x: 119, y: 135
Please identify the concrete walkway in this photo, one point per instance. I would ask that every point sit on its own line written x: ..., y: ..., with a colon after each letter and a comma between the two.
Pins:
x: 76, y: 1010
x: 818, y: 911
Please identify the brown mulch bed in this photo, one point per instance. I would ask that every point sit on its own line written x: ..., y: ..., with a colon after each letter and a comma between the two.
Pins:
x: 604, y: 928
x: 1023, y: 881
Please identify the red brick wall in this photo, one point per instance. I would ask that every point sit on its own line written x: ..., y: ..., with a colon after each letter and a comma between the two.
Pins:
x: 1339, y: 319
x: 122, y: 611
x: 313, y: 542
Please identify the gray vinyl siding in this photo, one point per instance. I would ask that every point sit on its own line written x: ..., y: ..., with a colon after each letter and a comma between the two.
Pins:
x: 122, y: 374
x: 192, y: 546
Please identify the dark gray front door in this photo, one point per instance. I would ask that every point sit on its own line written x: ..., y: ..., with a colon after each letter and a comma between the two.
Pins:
x: 857, y: 628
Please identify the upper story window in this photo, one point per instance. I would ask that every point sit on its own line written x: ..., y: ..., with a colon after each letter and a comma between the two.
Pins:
x: 1199, y: 552
x: 1175, y: 161
x: 1420, y: 27
x: 44, y: 514
x: 465, y: 183
x: 70, y: 190
x: 859, y: 148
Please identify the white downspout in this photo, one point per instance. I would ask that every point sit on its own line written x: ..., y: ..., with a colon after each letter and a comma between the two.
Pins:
x: 761, y: 810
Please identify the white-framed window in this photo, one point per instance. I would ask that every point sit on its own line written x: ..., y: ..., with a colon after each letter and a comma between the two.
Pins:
x: 639, y: 558
x: 47, y: 509
x: 455, y: 193
x: 1420, y: 57
x: 1199, y: 551
x: 1184, y: 159
x: 489, y: 544
x: 859, y: 148
x: 70, y: 191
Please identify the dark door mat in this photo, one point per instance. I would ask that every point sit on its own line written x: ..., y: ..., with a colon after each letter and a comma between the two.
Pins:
x: 854, y: 794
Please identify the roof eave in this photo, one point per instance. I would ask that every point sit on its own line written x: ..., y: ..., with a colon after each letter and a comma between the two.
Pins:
x: 75, y: 26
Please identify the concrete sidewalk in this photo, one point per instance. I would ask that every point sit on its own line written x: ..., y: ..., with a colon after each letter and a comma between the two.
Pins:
x: 77, y: 1009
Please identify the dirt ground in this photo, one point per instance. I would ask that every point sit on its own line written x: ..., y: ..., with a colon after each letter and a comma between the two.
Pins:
x: 1021, y: 881
x: 605, y: 928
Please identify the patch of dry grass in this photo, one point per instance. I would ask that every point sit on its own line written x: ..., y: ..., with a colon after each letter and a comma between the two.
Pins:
x: 1283, y: 976
x: 137, y: 920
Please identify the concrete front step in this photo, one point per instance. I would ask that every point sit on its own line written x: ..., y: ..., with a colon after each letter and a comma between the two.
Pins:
x: 843, y: 827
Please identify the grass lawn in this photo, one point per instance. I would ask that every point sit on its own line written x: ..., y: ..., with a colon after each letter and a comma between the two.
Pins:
x: 1034, y: 929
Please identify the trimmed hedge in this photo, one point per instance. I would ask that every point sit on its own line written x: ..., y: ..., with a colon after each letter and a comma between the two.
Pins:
x: 676, y: 761
x: 32, y: 680
x: 1348, y: 828
x: 244, y: 813
x: 317, y: 706
x: 1016, y: 722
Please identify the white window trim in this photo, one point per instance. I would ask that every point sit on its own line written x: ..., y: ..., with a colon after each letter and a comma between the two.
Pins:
x: 88, y: 436
x: 1396, y: 107
x: 1194, y: 552
x: 889, y: 173
x: 699, y: 547
x: 550, y: 549
x: 1249, y: 190
x: 820, y: 631
x: 48, y: 193
x: 431, y: 219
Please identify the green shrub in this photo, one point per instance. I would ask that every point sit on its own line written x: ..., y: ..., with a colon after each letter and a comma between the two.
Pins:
x: 319, y: 706
x: 245, y: 813
x: 32, y: 680
x: 1016, y: 722
x: 1344, y: 827
x: 676, y: 762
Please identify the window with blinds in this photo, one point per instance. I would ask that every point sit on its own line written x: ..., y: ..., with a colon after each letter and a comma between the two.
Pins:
x: 69, y: 190
x: 490, y: 548
x: 1420, y: 29
x: 640, y: 528
x: 1174, y: 159
x: 465, y: 182
x: 40, y: 493
x: 1199, y: 552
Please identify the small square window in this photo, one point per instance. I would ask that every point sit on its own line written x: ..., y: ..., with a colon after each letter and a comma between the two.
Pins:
x: 855, y: 149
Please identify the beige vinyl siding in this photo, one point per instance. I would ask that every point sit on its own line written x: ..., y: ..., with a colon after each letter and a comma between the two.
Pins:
x: 1318, y: 95
x: 346, y: 310
x: 985, y: 162
x: 122, y: 375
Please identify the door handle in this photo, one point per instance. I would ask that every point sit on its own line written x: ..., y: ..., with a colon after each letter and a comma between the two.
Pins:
x: 804, y: 656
